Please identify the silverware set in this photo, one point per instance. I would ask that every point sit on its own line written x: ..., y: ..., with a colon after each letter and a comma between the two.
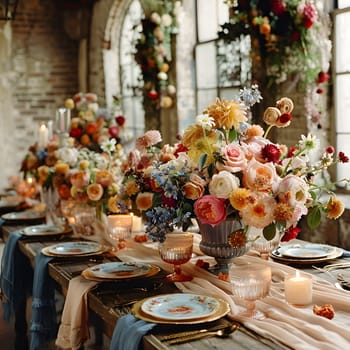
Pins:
x: 187, y: 336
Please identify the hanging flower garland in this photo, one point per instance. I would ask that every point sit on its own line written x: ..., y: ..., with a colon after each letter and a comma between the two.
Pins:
x: 290, y: 42
x: 153, y: 54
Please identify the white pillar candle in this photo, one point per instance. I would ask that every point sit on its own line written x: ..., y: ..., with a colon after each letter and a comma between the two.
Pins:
x: 298, y: 289
x: 136, y: 223
x: 43, y: 136
x: 50, y: 129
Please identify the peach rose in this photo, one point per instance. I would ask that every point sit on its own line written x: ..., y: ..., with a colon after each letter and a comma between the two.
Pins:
x: 144, y: 200
x: 260, y: 177
x: 222, y: 184
x: 210, y: 210
x: 94, y: 192
x: 235, y: 159
x: 61, y: 168
x: 80, y: 179
x: 195, y: 187
x: 104, y: 178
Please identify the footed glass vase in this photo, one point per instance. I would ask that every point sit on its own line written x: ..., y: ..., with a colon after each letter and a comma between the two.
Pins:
x: 224, y: 242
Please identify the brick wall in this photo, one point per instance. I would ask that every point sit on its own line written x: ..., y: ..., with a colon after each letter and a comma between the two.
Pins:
x: 41, y: 73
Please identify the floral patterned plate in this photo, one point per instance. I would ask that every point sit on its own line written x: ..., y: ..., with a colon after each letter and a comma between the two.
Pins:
x: 180, y: 306
x: 120, y: 270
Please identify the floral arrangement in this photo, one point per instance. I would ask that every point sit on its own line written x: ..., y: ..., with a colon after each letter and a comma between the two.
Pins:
x: 225, y: 168
x: 290, y: 36
x: 92, y: 125
x: 85, y: 176
x: 153, y: 54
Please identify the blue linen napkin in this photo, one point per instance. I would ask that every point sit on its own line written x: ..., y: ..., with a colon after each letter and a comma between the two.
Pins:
x: 2, y: 221
x: 346, y: 253
x: 128, y: 333
x: 43, y: 326
x: 16, y: 276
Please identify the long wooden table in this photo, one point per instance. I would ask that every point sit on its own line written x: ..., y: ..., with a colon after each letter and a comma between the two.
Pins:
x: 109, y: 301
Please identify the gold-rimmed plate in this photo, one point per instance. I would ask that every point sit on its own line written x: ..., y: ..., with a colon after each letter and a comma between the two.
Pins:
x: 120, y: 271
x: 46, y: 230
x: 279, y: 257
x: 23, y: 216
x: 222, y: 310
x: 71, y: 249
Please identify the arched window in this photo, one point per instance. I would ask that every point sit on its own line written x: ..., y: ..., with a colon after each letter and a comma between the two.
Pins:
x: 130, y: 74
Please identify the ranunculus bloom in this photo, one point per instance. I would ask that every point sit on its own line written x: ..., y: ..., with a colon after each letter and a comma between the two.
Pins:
x: 260, y: 213
x: 222, y: 184
x: 61, y: 168
x: 80, y: 179
x: 234, y: 159
x: 271, y: 115
x: 104, y: 178
x: 335, y: 208
x: 144, y: 200
x: 271, y: 153
x: 293, y: 190
x: 260, y: 177
x: 94, y: 192
x: 150, y: 138
x: 210, y: 210
x: 120, y: 120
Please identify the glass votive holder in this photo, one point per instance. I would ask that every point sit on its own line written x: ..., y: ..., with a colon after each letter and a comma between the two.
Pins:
x: 119, y: 228
x: 298, y: 289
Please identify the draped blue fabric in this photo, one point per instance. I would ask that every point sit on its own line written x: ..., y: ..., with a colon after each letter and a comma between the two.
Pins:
x: 16, y: 276
x: 43, y: 326
x: 128, y: 333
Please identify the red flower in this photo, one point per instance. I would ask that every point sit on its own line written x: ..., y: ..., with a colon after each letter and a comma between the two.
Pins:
x: 291, y: 152
x: 271, y: 153
x: 330, y: 149
x: 114, y: 130
x: 290, y: 234
x: 322, y: 77
x: 76, y: 133
x: 120, y: 120
x: 319, y: 91
x: 343, y: 158
x: 278, y: 8
x: 169, y: 201
x: 285, y: 118
x: 180, y: 148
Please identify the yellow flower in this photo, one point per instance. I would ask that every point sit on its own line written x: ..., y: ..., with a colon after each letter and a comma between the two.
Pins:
x: 113, y: 204
x: 204, y: 145
x: 61, y: 168
x: 240, y: 198
x: 192, y: 134
x: 227, y: 114
x: 335, y: 208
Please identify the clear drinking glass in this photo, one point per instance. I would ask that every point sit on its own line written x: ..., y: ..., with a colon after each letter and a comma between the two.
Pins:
x: 250, y: 282
x: 264, y: 247
x: 119, y: 227
x: 177, y: 250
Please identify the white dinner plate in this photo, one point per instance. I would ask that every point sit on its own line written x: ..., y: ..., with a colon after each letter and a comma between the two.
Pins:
x: 45, y: 230
x: 73, y: 248
x: 180, y: 306
x: 120, y: 270
x: 26, y: 215
x: 306, y: 251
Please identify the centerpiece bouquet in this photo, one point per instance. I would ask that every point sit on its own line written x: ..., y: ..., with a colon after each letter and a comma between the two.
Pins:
x: 225, y: 168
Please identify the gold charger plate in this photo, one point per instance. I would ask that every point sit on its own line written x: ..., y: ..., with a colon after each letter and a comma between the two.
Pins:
x: 96, y: 249
x: 95, y: 274
x: 222, y: 310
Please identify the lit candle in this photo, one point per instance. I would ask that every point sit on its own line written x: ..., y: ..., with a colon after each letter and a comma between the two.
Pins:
x: 136, y: 223
x: 49, y: 129
x: 43, y: 136
x: 298, y: 289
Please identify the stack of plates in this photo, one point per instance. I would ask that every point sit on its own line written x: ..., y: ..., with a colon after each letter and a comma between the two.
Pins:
x: 306, y: 253
x: 119, y: 271
x: 180, y: 308
x: 71, y: 249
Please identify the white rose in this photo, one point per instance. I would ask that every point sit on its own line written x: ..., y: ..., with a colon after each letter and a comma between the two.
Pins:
x: 68, y: 155
x: 167, y: 20
x: 222, y: 184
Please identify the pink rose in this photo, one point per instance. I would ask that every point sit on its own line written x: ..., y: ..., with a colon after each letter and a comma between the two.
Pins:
x: 293, y: 190
x: 210, y: 210
x: 254, y: 147
x: 235, y: 159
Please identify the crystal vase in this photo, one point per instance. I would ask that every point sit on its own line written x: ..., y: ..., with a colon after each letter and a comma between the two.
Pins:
x: 224, y: 242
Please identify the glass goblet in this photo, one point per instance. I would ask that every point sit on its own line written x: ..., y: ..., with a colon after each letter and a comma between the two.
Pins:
x: 250, y: 282
x: 119, y: 228
x: 177, y: 250
x: 264, y: 247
